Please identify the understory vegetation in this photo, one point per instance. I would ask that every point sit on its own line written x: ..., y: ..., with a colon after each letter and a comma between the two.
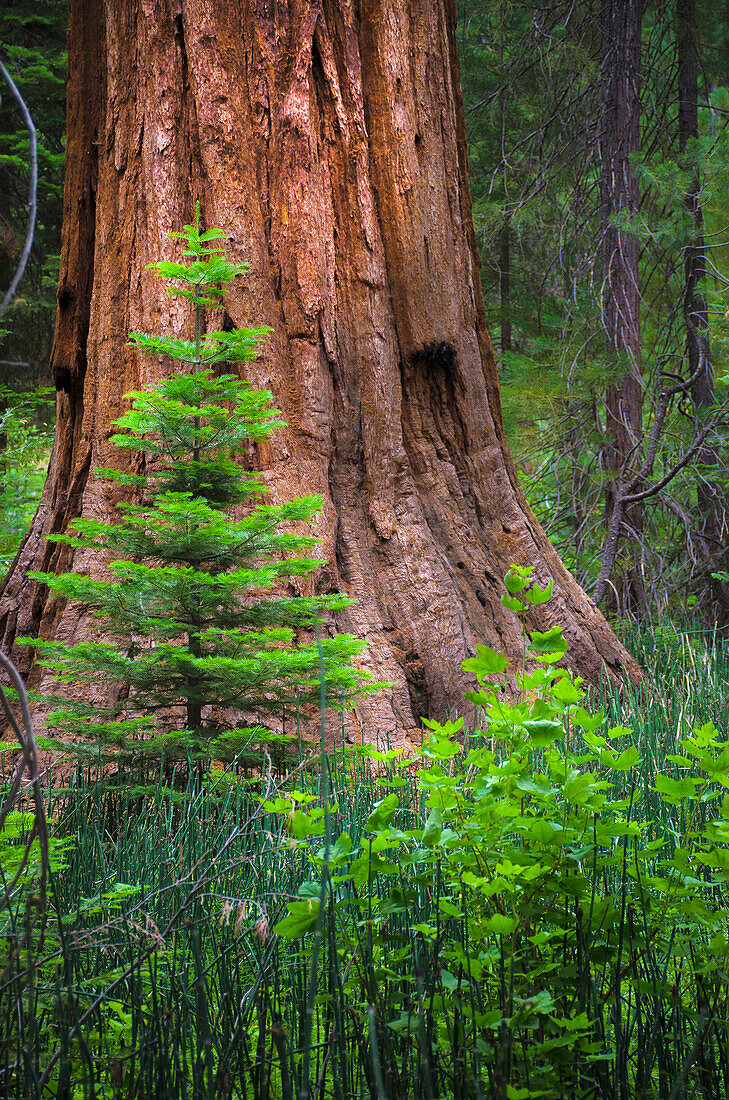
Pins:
x: 26, y: 435
x: 534, y: 907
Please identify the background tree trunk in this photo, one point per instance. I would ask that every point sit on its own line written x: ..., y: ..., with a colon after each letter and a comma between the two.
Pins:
x: 505, y: 287
x: 711, y: 500
x: 328, y: 140
x: 619, y: 138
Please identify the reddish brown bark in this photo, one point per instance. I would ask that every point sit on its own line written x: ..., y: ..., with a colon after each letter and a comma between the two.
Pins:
x: 328, y: 139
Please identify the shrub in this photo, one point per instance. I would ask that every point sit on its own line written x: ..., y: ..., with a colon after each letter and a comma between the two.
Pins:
x: 527, y: 935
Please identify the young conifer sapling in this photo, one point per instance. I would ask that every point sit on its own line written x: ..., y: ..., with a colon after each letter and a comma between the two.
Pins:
x: 195, y: 621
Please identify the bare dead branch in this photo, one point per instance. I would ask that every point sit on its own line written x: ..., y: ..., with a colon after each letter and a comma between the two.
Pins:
x: 32, y: 189
x: 27, y: 763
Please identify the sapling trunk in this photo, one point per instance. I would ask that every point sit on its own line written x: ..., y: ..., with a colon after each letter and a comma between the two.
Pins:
x: 194, y: 709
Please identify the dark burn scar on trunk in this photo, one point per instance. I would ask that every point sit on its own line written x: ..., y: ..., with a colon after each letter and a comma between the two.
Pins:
x: 417, y: 684
x: 62, y: 379
x: 441, y: 354
x: 65, y: 297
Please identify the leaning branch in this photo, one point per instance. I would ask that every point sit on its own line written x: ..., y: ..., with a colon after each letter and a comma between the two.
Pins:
x: 628, y: 493
x: 632, y: 498
x: 27, y: 763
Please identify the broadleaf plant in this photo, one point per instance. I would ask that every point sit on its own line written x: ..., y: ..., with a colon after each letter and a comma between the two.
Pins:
x: 535, y: 910
x: 196, y: 624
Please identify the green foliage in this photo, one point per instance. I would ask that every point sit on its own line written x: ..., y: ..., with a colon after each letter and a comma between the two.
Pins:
x: 195, y: 631
x: 25, y: 444
x: 560, y: 930
x: 538, y: 909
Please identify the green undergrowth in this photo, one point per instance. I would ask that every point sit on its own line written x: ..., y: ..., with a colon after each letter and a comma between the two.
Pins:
x: 532, y: 908
x: 26, y: 436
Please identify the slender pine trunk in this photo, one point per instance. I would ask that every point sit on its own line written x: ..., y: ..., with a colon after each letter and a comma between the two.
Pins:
x: 505, y: 286
x: 619, y: 139
x: 710, y: 496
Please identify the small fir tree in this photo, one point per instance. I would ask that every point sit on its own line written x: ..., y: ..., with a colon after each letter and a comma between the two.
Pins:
x: 192, y: 610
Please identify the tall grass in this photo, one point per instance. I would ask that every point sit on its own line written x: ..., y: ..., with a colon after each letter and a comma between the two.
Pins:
x: 686, y: 684
x: 159, y: 975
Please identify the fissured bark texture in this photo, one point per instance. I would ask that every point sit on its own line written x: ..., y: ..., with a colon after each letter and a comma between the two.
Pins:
x: 328, y: 140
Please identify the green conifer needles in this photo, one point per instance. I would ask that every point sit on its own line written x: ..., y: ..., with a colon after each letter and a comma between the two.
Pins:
x: 194, y: 622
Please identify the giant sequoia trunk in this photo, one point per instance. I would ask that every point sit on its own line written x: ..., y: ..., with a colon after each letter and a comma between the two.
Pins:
x: 328, y: 139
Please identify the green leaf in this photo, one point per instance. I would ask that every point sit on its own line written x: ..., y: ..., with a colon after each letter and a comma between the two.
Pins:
x: 342, y: 848
x: 382, y: 814
x: 543, y: 831
x: 479, y: 698
x: 587, y: 721
x: 441, y: 749
x: 445, y: 730
x: 486, y: 662
x: 302, y: 825
x: 513, y: 604
x: 450, y: 981
x: 578, y: 786
x: 433, y: 828
x: 706, y: 735
x: 449, y: 909
x: 501, y: 924
x: 628, y: 759
x: 616, y: 732
x: 301, y: 919
x: 310, y: 889
x: 543, y: 731
x: 375, y: 754
x: 674, y: 791
x: 566, y: 691
x: 537, y: 595
x: 550, y: 641
x: 517, y: 578
x: 524, y: 783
